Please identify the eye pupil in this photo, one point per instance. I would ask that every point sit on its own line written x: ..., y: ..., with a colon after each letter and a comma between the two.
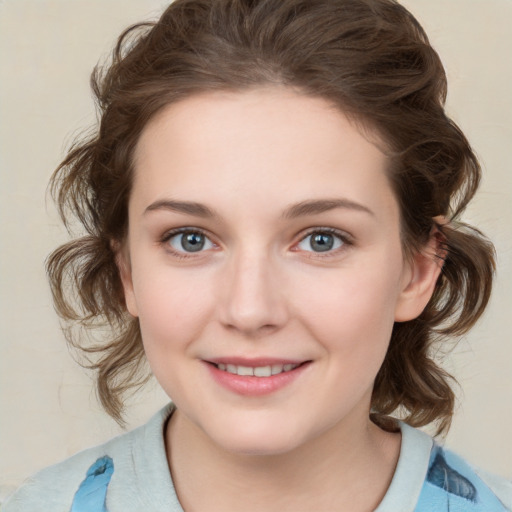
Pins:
x: 192, y: 242
x: 322, y: 242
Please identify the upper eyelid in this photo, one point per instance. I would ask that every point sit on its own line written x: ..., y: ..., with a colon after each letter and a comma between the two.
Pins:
x: 171, y: 233
x: 344, y: 235
x: 177, y: 231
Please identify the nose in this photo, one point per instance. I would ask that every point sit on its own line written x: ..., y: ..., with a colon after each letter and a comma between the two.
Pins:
x: 252, y: 300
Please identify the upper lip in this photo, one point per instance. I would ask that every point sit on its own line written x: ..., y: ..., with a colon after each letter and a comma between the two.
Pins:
x: 254, y: 362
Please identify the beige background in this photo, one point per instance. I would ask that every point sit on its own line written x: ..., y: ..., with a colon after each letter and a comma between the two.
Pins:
x: 47, y: 50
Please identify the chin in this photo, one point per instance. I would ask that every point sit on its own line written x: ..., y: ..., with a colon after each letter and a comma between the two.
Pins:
x: 258, y: 439
x: 259, y: 447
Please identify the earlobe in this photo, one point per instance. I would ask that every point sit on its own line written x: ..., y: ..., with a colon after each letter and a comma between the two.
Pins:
x: 423, y: 271
x: 125, y: 272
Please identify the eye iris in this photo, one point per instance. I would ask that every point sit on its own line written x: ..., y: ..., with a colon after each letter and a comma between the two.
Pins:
x: 322, y: 242
x: 192, y: 242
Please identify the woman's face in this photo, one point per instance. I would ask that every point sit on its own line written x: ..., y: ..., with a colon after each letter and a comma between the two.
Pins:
x: 264, y: 263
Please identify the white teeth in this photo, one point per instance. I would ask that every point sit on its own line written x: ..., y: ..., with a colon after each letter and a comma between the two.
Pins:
x: 245, y: 370
x: 277, y: 368
x: 258, y: 371
x: 263, y: 371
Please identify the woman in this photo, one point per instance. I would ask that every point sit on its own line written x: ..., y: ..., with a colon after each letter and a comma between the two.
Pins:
x: 272, y: 205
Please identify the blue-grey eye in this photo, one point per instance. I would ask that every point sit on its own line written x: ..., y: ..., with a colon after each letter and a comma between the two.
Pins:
x: 320, y: 241
x: 190, y: 241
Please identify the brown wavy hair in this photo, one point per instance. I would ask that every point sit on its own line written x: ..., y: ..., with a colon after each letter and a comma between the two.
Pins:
x: 373, y: 60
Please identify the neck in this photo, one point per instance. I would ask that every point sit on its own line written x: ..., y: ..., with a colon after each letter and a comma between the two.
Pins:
x: 348, y: 467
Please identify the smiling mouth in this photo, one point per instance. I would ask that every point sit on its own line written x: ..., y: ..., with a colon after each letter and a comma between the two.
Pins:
x: 257, y: 371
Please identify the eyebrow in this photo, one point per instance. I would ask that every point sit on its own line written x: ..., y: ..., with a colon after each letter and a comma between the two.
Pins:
x: 316, y: 206
x: 187, y: 207
x: 302, y: 209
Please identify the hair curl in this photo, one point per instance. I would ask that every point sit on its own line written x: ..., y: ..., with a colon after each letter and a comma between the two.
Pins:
x: 373, y: 60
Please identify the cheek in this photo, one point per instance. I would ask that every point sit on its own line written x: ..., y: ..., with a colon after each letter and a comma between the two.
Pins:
x: 352, y: 311
x: 173, y: 309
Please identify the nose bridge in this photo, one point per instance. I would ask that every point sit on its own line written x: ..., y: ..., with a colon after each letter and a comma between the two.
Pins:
x: 253, y: 301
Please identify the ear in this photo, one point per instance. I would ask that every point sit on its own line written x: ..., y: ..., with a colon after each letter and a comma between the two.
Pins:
x: 420, y: 278
x: 125, y: 271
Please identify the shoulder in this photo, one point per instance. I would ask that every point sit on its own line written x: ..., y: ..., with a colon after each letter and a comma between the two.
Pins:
x: 111, y: 464
x: 429, y: 478
x: 453, y: 482
x: 55, y: 486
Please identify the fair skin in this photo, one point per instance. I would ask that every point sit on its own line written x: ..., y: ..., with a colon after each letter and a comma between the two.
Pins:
x: 263, y: 232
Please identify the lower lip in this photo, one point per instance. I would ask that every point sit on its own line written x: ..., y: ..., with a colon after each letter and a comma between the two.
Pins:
x: 255, y: 386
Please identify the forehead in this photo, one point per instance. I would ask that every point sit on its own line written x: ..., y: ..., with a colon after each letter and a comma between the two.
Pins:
x: 269, y: 143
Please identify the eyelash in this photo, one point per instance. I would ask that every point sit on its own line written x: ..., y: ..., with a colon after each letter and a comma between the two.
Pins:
x: 345, y: 239
x: 178, y: 254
